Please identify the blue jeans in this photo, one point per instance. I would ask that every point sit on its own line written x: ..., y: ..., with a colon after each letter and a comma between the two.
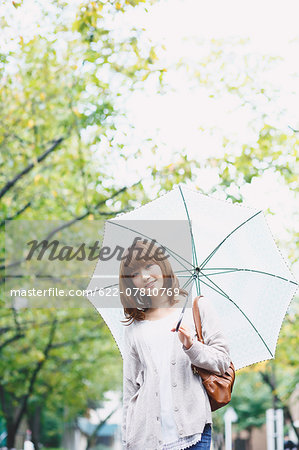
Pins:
x: 206, y: 438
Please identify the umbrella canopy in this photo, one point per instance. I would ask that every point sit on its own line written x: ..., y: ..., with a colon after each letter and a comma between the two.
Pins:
x: 223, y: 251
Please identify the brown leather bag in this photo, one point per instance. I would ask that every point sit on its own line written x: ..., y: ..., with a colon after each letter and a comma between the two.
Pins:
x: 218, y: 387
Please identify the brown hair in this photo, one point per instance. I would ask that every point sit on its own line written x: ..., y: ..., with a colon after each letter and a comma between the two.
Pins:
x: 147, y: 252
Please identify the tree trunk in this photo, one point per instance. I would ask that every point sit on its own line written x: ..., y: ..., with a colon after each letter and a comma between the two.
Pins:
x: 11, y: 435
x: 289, y: 417
x: 34, y: 419
x: 91, y: 440
x: 271, y: 382
x: 249, y: 442
x: 13, y: 422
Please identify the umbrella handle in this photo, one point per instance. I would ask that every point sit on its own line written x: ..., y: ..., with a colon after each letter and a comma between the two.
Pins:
x: 179, y: 322
x: 184, y: 307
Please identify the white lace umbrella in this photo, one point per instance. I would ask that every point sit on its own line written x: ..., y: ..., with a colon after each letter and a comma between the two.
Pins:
x: 227, y: 254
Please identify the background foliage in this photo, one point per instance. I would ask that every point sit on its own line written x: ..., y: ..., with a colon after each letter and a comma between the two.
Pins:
x: 60, y: 120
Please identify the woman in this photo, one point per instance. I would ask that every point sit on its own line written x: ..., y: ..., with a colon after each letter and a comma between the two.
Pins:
x: 165, y: 406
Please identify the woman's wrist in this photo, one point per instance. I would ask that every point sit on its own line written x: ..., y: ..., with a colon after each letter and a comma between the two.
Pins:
x: 189, y: 345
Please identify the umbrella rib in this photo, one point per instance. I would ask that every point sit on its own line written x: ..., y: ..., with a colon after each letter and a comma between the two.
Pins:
x: 218, y: 287
x: 232, y: 269
x: 187, y: 282
x: 219, y: 245
x: 220, y: 268
x: 242, y: 312
x: 168, y: 249
x: 192, y: 279
x: 185, y: 276
x: 214, y: 289
x: 195, y: 263
x: 180, y: 271
x: 190, y: 229
x: 218, y: 273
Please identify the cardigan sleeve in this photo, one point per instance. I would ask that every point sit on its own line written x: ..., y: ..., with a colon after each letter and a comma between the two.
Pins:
x: 213, y: 355
x: 131, y: 365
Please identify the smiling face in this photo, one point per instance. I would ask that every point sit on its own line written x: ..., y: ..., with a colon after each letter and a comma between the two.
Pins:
x: 148, y: 276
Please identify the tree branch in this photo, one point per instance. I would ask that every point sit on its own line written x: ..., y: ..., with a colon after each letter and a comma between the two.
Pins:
x: 2, y: 400
x: 25, y: 325
x: 34, y: 374
x: 30, y: 166
x: 18, y: 213
x: 12, y: 339
x: 289, y: 416
x: 71, y: 222
x: 87, y: 213
x: 91, y: 438
x: 79, y: 339
x: 16, y: 320
x: 113, y: 213
x: 18, y: 138
x: 293, y: 129
x: 267, y: 379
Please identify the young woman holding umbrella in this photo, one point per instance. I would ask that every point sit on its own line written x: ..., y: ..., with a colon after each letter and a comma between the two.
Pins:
x: 165, y: 406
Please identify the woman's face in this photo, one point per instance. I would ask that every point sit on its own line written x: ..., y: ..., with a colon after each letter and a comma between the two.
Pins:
x: 148, y: 276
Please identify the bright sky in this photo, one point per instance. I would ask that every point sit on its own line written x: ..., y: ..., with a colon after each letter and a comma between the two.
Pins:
x: 175, y: 118
x: 186, y: 117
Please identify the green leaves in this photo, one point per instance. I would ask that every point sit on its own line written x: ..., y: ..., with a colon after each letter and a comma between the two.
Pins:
x: 55, y: 107
x: 17, y: 4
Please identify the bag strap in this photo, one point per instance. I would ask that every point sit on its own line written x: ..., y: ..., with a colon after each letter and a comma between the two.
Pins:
x: 196, y: 318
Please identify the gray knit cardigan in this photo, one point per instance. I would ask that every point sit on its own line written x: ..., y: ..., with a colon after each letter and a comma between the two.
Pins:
x: 141, y: 424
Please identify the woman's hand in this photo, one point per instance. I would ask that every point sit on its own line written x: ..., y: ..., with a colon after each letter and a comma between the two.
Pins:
x: 184, y: 336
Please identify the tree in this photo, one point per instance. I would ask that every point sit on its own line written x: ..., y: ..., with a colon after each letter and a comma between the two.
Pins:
x: 55, y: 110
